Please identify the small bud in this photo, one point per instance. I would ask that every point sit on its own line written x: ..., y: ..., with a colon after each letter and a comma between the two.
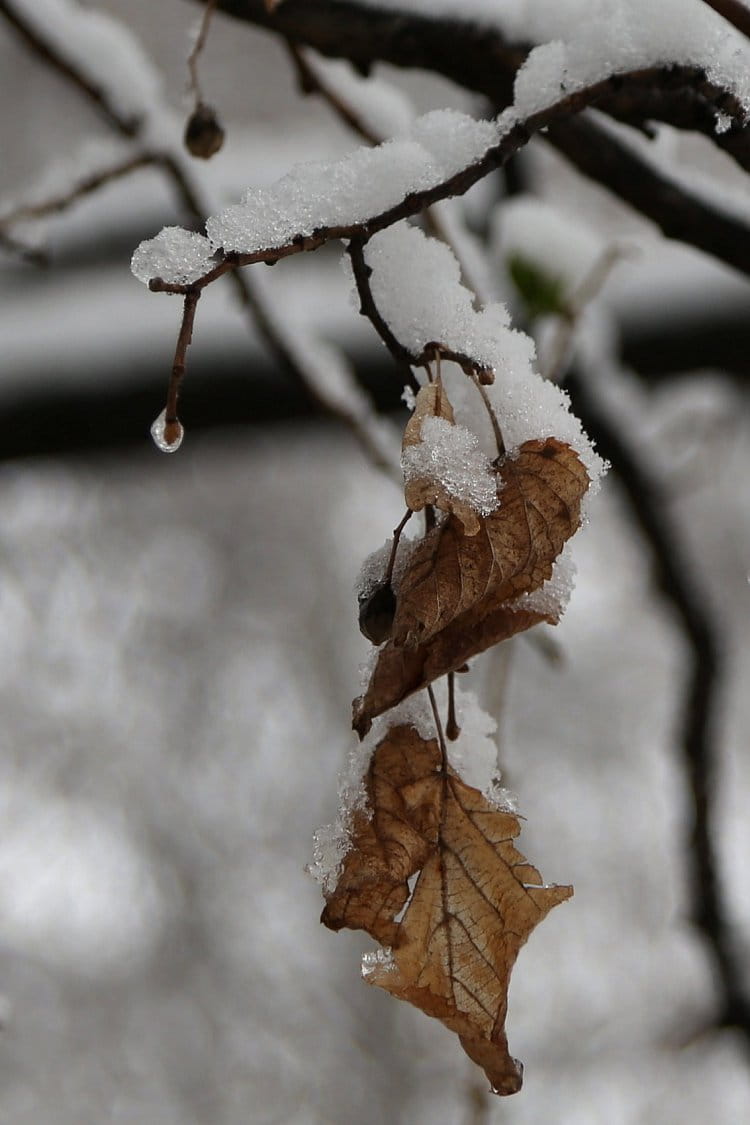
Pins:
x: 204, y: 135
x: 376, y: 612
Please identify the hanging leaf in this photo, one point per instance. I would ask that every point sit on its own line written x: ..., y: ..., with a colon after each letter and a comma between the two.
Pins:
x: 449, y: 572
x: 458, y: 594
x: 447, y: 477
x: 475, y: 902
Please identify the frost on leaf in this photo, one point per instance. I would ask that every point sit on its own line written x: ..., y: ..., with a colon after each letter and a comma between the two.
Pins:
x: 442, y: 463
x: 474, y: 904
x: 459, y: 593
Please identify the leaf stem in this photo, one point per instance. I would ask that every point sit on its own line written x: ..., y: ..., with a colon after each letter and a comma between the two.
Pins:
x: 200, y: 43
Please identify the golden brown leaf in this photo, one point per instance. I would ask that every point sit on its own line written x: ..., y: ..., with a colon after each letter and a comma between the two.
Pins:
x: 419, y: 491
x: 475, y: 902
x: 400, y: 670
x: 449, y: 572
x: 459, y: 593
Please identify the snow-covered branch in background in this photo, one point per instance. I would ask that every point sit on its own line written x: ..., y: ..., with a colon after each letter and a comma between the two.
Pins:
x: 125, y: 86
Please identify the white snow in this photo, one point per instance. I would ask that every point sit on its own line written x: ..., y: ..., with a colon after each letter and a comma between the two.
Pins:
x: 559, y: 244
x: 99, y: 47
x: 450, y: 455
x: 584, y: 41
x: 416, y: 286
x: 473, y: 756
x: 175, y: 255
x: 343, y: 192
x: 553, y: 596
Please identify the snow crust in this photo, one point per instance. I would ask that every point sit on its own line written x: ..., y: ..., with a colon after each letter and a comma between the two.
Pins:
x: 364, y: 183
x: 451, y: 455
x: 579, y: 42
x: 175, y: 255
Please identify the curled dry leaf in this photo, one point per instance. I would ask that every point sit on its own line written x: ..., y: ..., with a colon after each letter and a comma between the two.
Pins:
x: 475, y: 902
x: 423, y: 489
x: 456, y: 597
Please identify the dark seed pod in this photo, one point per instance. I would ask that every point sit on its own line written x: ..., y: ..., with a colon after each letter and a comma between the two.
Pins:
x: 204, y: 135
x: 376, y: 612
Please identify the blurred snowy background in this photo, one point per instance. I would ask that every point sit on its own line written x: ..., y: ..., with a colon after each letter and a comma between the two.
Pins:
x: 179, y: 652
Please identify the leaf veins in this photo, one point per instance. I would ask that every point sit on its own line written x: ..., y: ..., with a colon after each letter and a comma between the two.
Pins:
x: 475, y: 902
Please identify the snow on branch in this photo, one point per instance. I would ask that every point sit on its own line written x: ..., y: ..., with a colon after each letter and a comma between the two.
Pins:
x: 442, y: 154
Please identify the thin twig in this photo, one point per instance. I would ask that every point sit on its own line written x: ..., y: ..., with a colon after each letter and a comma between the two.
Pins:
x: 678, y: 585
x: 456, y: 184
x: 311, y: 81
x: 20, y: 250
x: 589, y: 288
x: 452, y: 729
x: 438, y: 729
x: 394, y: 548
x: 200, y: 42
x: 86, y: 186
x: 497, y: 432
x: 400, y: 353
x: 127, y: 126
x: 172, y: 428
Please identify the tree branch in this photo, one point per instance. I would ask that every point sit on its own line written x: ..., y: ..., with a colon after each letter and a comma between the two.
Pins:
x: 678, y: 586
x: 734, y: 12
x: 127, y: 126
x: 601, y: 157
x: 479, y: 59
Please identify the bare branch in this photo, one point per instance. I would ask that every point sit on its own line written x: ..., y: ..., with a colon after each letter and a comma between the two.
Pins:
x: 401, y: 354
x: 599, y: 155
x: 678, y: 585
x: 84, y: 187
x: 734, y: 12
x: 127, y: 126
x: 200, y: 42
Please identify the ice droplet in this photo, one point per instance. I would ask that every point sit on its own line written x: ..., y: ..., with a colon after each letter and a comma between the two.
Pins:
x: 378, y: 959
x: 167, y: 438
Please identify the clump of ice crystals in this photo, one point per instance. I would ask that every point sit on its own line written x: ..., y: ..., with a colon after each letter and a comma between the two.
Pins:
x: 378, y: 959
x: 617, y: 37
x: 366, y: 182
x: 175, y: 255
x: 159, y: 434
x: 553, y: 596
x: 450, y: 455
x: 417, y: 288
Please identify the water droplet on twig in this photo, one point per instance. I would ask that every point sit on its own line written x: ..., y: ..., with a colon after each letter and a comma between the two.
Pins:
x: 167, y: 435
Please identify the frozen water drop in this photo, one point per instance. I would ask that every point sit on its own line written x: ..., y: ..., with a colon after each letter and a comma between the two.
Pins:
x: 167, y: 437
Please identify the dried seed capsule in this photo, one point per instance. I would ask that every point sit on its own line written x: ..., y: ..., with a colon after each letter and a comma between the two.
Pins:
x: 204, y: 135
x: 376, y: 612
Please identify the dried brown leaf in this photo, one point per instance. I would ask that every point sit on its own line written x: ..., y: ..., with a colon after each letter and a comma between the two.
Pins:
x: 399, y: 671
x: 450, y: 572
x: 458, y: 596
x: 475, y: 902
x: 419, y: 491
x: 431, y: 402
